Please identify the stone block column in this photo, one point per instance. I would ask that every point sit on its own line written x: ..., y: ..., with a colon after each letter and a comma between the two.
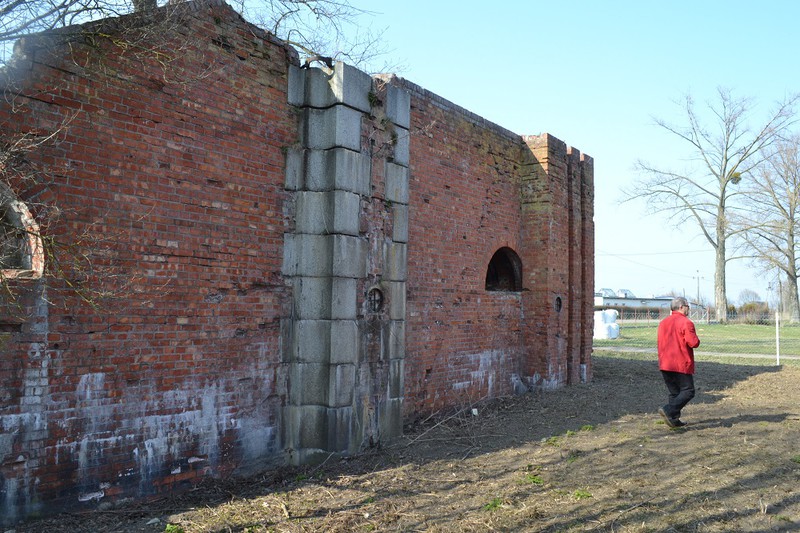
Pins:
x: 340, y: 396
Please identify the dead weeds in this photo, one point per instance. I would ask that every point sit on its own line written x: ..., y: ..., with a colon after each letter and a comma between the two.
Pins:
x: 592, y: 457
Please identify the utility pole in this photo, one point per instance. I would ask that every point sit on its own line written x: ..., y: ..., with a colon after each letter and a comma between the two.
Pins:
x: 697, y: 302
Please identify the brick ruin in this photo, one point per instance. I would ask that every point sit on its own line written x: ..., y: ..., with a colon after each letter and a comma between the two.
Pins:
x: 290, y: 262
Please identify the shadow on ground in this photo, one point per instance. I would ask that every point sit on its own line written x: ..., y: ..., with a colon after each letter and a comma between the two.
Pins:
x: 622, y: 398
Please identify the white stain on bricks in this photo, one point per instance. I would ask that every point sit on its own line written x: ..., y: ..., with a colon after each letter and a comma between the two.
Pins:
x: 27, y: 426
x: 91, y: 398
x: 556, y: 379
x: 88, y: 496
x: 193, y: 420
x: 185, y: 431
x: 90, y: 387
x: 163, y: 431
x: 484, y: 366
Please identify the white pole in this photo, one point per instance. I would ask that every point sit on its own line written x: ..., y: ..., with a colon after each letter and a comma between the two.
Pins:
x: 777, y: 339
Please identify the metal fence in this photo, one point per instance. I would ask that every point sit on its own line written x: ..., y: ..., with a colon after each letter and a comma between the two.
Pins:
x: 758, y: 335
x: 699, y: 316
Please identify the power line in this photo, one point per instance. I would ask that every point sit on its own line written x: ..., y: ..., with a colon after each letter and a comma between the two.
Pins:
x: 651, y: 253
x: 623, y: 258
x: 733, y: 283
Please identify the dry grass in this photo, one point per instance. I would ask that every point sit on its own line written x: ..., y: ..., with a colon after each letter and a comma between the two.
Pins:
x: 592, y: 457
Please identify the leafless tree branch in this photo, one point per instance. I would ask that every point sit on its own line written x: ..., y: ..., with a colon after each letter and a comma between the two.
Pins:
x: 709, y: 194
x: 770, y: 224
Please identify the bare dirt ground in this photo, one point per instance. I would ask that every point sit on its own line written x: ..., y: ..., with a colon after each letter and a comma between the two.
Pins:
x: 593, y: 457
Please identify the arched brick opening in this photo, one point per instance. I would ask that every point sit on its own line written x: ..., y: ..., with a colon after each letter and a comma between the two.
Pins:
x: 504, y: 272
x: 21, y: 254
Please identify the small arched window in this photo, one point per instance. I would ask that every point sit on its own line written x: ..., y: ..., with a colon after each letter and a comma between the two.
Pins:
x: 504, y: 272
x: 21, y: 254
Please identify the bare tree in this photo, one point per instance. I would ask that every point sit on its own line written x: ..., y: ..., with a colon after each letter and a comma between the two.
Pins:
x: 19, y: 18
x: 709, y: 189
x: 321, y: 28
x: 329, y: 28
x: 770, y: 224
x: 748, y: 296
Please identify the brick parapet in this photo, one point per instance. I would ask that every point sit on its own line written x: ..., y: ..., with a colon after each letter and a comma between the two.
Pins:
x: 437, y: 101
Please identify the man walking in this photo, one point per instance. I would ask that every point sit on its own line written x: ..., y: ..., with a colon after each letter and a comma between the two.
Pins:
x: 676, y: 342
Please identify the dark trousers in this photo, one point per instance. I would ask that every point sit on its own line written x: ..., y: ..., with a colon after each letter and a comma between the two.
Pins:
x: 681, y: 390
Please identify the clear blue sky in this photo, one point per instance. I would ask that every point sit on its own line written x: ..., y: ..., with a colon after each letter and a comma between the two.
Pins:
x: 594, y: 74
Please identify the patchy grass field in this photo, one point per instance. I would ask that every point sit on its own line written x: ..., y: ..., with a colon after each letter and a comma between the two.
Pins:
x: 592, y: 457
x: 715, y: 339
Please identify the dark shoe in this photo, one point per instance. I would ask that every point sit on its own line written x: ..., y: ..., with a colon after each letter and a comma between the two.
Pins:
x: 677, y: 423
x: 670, y: 421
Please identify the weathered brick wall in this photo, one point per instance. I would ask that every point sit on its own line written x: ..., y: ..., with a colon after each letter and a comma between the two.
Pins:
x: 173, y: 158
x: 558, y: 224
x: 474, y: 189
x: 188, y: 172
x: 463, y: 342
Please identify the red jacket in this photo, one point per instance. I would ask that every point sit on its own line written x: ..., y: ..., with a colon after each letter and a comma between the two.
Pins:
x: 676, y: 342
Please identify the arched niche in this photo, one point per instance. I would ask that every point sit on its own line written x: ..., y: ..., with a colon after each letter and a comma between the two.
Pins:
x: 504, y: 272
x: 21, y: 253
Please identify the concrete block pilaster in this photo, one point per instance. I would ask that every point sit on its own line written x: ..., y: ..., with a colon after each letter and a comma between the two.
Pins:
x: 312, y: 298
x: 400, y: 223
x: 351, y: 87
x: 333, y: 127
x: 344, y: 298
x: 341, y: 429
x: 396, y: 341
x: 349, y: 257
x: 397, y: 183
x: 311, y: 341
x: 397, y: 300
x: 306, y: 254
x: 396, y: 261
x: 391, y: 418
x: 342, y: 385
x: 329, y: 262
x: 312, y: 379
x: 346, y: 207
x: 398, y: 106
x: 312, y: 213
x: 402, y: 147
x: 338, y: 169
x: 344, y: 342
x: 396, y: 376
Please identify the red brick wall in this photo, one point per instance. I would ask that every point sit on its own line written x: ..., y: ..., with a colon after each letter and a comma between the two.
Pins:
x: 475, y: 188
x: 587, y: 265
x: 559, y: 227
x: 181, y: 180
x: 170, y: 173
x: 463, y: 343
